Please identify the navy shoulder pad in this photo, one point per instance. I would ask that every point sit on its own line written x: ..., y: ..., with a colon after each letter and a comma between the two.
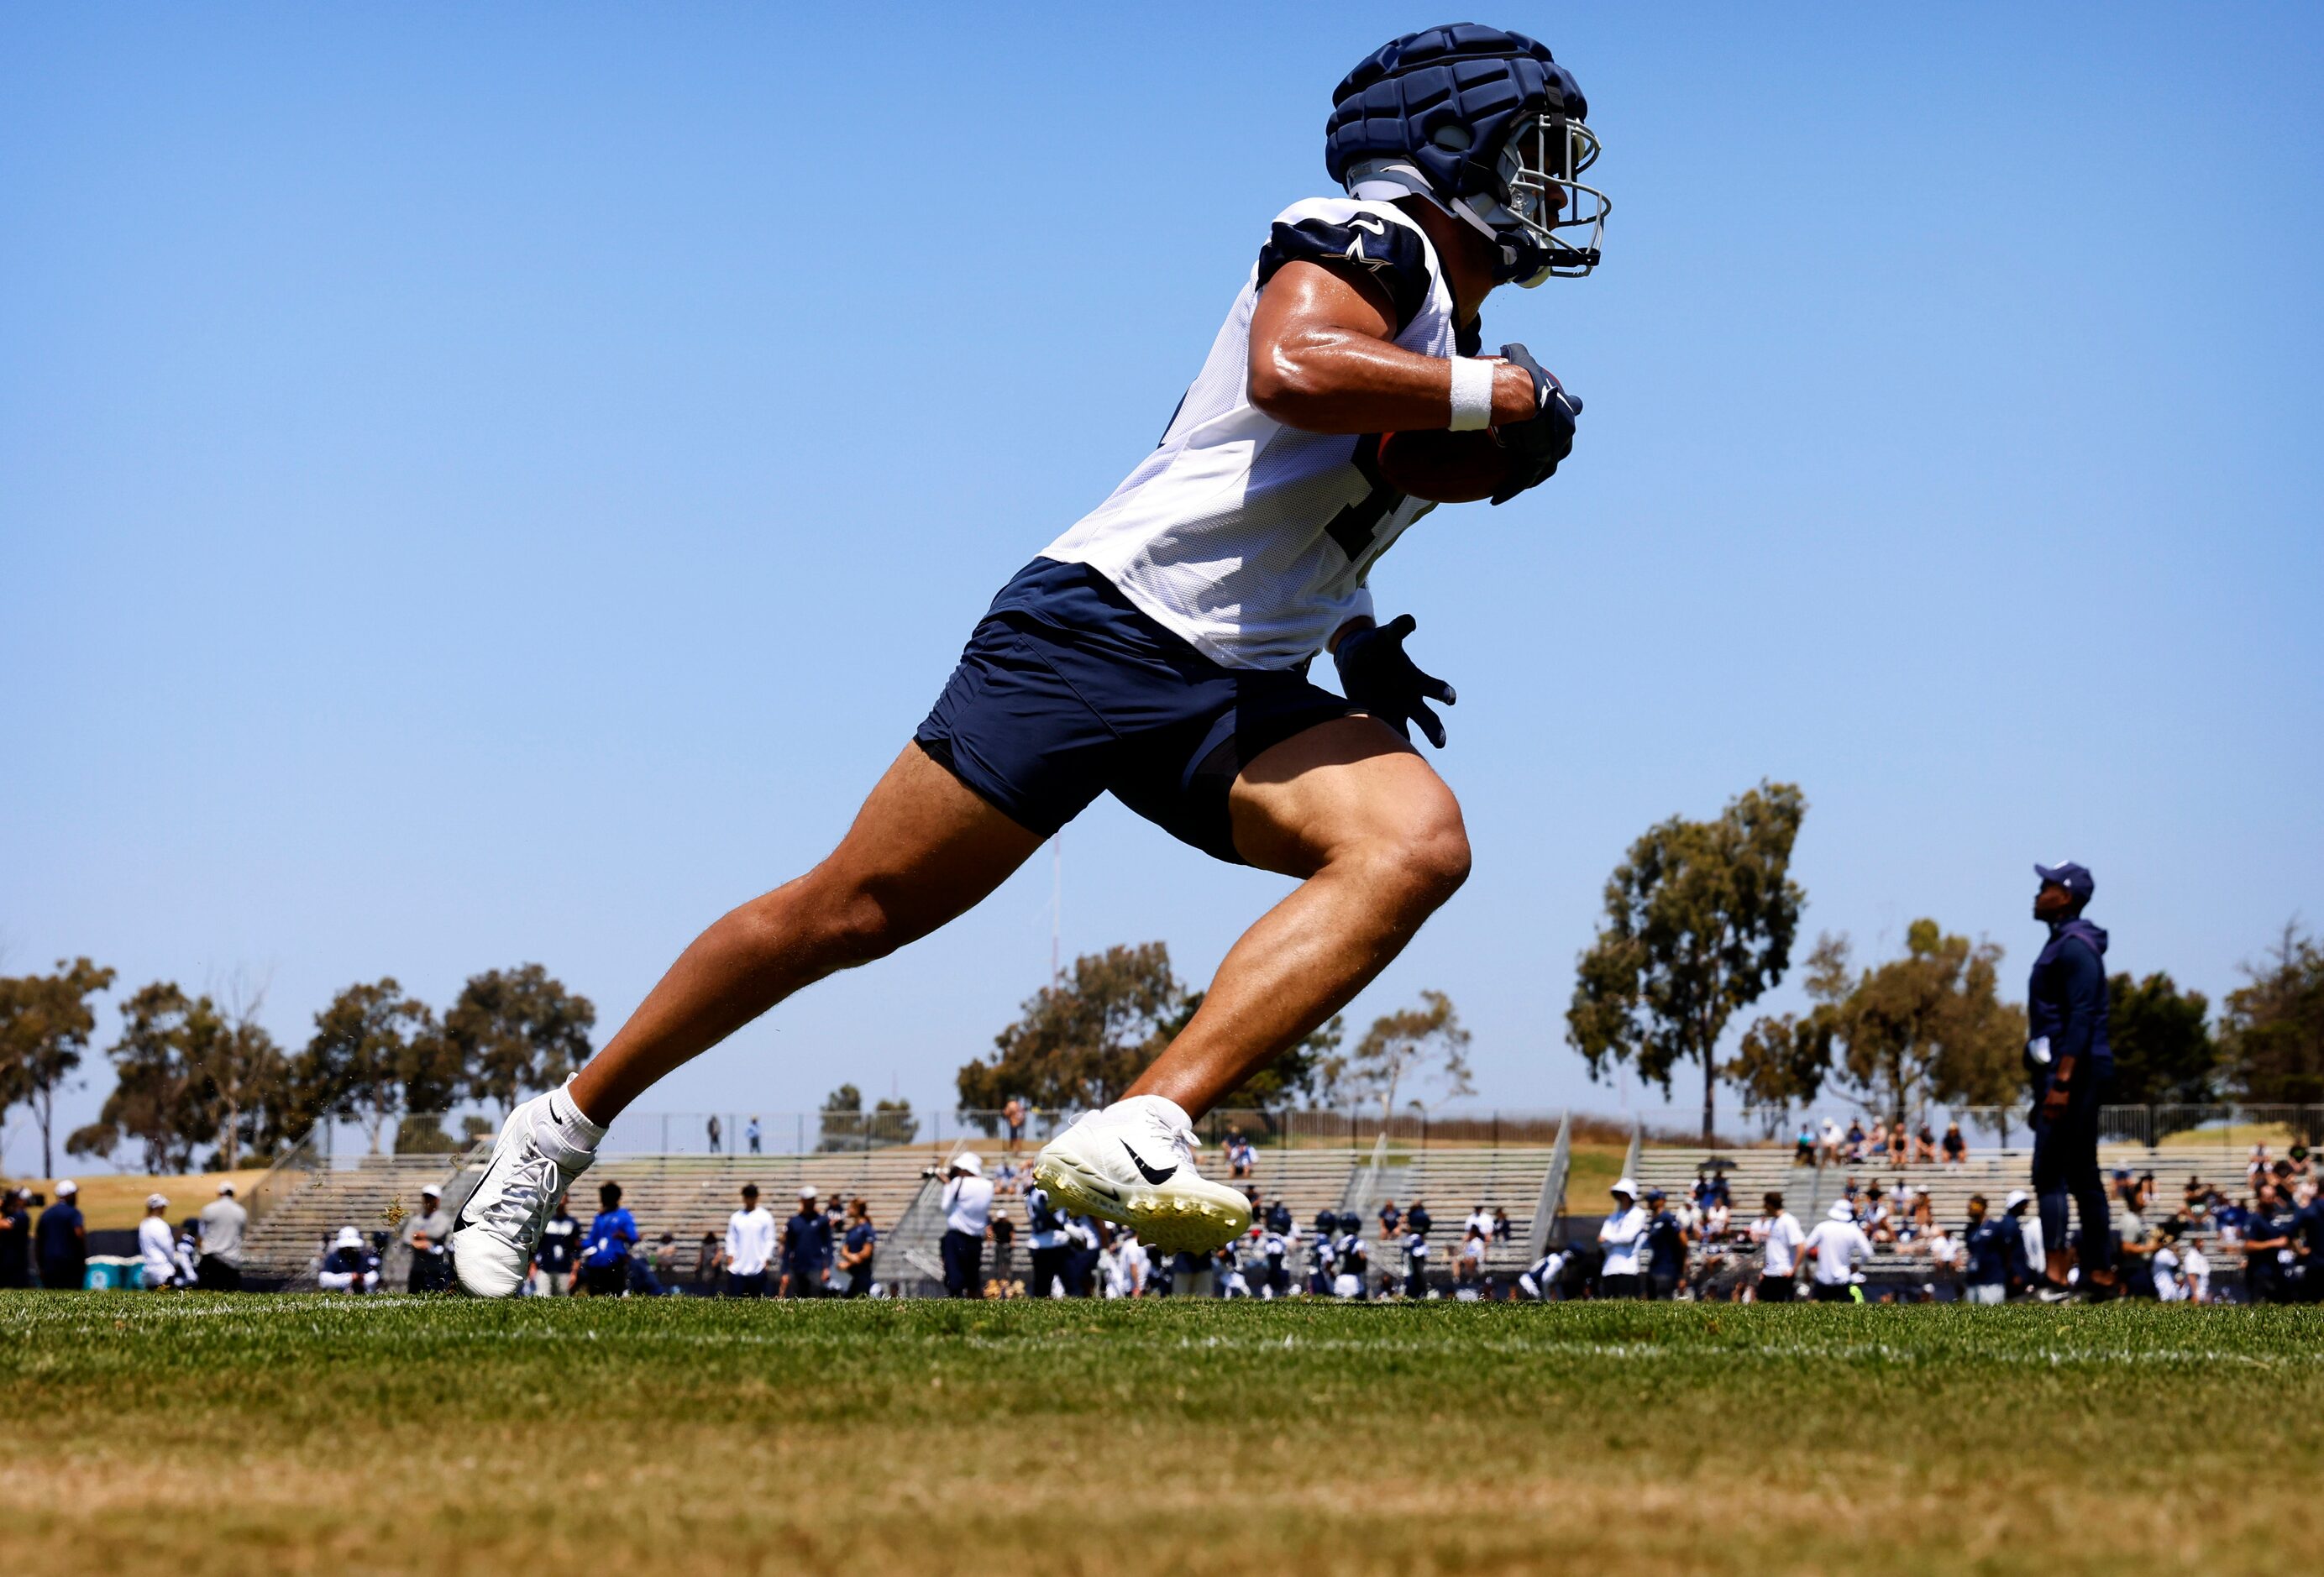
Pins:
x: 1392, y: 256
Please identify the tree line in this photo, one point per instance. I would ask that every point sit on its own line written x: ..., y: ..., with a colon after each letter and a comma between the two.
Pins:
x: 197, y: 1073
x: 1701, y: 920
x: 1083, y: 1040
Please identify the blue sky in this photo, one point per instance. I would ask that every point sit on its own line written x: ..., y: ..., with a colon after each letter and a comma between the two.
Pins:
x: 493, y: 484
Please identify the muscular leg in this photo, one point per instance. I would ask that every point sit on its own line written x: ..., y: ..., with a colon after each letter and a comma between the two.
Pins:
x: 1377, y: 837
x: 923, y: 849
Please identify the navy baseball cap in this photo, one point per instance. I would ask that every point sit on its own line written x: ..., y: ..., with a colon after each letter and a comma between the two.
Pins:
x: 2075, y: 879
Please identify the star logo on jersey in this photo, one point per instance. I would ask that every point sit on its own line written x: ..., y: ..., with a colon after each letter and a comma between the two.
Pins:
x: 1356, y: 255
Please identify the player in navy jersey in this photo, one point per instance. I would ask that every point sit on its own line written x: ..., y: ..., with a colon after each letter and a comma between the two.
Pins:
x: 1160, y: 650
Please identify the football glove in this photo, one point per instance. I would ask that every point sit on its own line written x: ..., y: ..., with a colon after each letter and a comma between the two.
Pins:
x: 1377, y: 675
x: 1537, y: 445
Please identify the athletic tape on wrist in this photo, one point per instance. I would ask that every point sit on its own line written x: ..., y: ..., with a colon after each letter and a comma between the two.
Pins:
x: 1472, y: 395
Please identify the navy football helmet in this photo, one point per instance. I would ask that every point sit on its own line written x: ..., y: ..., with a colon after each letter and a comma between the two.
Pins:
x: 1485, y: 125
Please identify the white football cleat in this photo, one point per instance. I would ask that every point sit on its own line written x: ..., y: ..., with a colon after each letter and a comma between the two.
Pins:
x: 531, y: 1168
x: 1133, y: 1164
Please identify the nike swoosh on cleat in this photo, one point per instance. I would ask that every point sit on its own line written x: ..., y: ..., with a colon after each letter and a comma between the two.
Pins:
x: 1147, y: 1172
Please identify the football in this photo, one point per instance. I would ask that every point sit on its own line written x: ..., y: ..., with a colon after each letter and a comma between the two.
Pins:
x: 1442, y: 466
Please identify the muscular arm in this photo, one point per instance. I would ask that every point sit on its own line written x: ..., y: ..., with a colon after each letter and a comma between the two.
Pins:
x: 1322, y: 360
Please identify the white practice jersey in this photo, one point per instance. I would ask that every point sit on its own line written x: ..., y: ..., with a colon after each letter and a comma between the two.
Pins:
x: 1250, y: 539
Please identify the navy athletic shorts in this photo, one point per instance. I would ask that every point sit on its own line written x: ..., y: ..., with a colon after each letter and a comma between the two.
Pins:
x: 1066, y: 691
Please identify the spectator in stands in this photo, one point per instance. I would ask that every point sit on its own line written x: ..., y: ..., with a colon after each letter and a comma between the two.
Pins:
x: 1045, y: 1240
x: 752, y: 1133
x: 1274, y: 1262
x: 1392, y: 1220
x: 428, y: 1236
x: 1956, y: 1149
x: 2268, y: 1249
x: 1417, y: 1218
x: 1922, y: 1222
x: 559, y: 1250
x: 715, y: 1133
x: 1504, y: 1232
x: 1832, y: 1146
x: 1320, y: 1268
x: 350, y: 1266
x: 2029, y: 1232
x: 2170, y: 1283
x: 1242, y: 1159
x: 1468, y: 1270
x: 1777, y: 1233
x: 1900, y: 1148
x: 1835, y: 1250
x: 1003, y: 1230
x: 808, y: 1245
x: 1993, y: 1255
x: 1133, y: 1266
x: 659, y: 1270
x: 1666, y: 1239
x: 1622, y: 1235
x: 605, y: 1251
x: 707, y: 1254
x: 1416, y: 1264
x: 1855, y: 1142
x: 185, y: 1255
x: 15, y: 1240
x: 1012, y: 1115
x: 1875, y: 1216
x: 157, y: 1262
x: 1351, y: 1257
x: 859, y: 1246
x: 967, y: 1202
x: 62, y: 1241
x: 749, y: 1247
x: 2136, y: 1238
x: 2258, y: 1165
x: 1803, y: 1149
x: 223, y: 1222
x: 1086, y: 1244
x: 1924, y: 1143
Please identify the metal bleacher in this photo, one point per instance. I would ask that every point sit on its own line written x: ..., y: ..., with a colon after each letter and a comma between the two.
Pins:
x: 1809, y: 1190
x: 296, y: 1211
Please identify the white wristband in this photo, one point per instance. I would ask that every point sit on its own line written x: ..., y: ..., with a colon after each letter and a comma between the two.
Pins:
x: 1472, y: 393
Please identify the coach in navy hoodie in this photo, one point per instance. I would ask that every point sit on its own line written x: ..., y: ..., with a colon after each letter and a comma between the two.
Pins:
x: 2071, y: 1062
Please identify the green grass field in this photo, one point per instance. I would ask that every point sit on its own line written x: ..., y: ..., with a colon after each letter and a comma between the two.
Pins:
x: 208, y: 1434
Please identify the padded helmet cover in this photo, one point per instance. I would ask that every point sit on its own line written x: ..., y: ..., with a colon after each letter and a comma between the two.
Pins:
x: 1446, y: 98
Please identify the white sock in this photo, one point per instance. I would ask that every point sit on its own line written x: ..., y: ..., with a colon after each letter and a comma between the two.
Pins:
x: 574, y: 1130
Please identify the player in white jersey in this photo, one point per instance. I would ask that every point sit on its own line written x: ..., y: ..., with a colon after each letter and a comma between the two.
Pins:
x: 1160, y: 649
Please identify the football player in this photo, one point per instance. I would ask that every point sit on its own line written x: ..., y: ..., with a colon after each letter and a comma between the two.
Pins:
x: 1159, y: 650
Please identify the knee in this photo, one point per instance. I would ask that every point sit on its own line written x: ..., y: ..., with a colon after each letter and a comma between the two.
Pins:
x: 1426, y: 853
x: 838, y: 923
